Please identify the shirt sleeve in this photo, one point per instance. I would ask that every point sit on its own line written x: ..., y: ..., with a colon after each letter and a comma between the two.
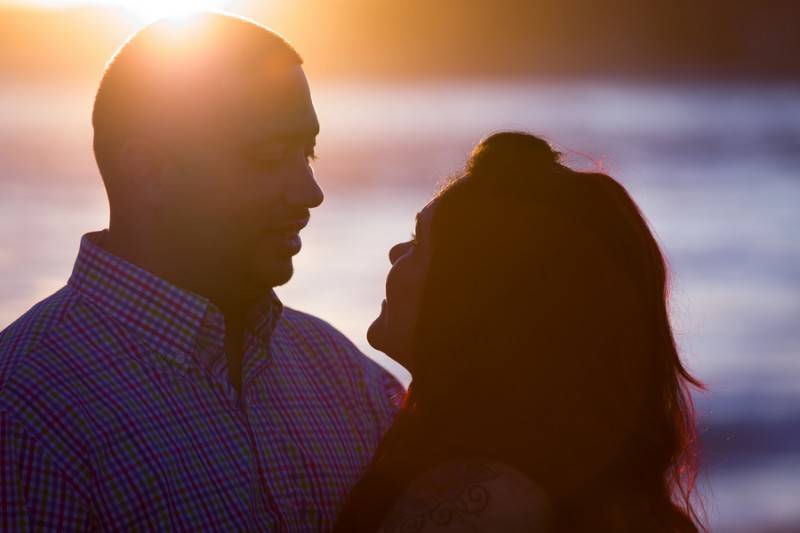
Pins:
x: 35, y: 494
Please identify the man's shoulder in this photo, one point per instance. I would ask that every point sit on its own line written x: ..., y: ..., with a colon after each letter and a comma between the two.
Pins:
x: 332, y: 349
x: 24, y: 334
x: 37, y: 388
x: 318, y: 335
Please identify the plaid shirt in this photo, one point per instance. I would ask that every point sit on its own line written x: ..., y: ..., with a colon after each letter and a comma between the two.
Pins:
x: 116, y: 412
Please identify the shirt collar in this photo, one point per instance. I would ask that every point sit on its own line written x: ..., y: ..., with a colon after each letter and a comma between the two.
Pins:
x: 173, y: 321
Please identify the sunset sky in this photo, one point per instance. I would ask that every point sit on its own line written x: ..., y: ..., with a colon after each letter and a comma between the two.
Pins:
x: 445, y: 39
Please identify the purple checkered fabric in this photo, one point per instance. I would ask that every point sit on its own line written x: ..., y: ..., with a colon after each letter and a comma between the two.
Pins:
x: 116, y: 412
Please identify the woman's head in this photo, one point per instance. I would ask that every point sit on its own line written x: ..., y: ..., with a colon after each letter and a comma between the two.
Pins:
x: 394, y: 331
x: 536, y: 330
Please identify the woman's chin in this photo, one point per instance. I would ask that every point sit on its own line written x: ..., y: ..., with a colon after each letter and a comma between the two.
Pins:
x: 376, y: 334
x: 380, y: 337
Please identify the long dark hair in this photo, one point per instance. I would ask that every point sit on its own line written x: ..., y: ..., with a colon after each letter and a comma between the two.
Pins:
x: 544, y: 343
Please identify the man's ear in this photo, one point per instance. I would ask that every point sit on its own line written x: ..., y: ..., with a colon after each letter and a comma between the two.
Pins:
x: 142, y: 163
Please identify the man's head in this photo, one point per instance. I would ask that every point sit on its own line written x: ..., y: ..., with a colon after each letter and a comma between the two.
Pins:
x: 203, y: 134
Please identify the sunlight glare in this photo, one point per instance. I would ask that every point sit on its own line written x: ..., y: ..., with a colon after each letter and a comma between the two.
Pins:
x: 150, y: 10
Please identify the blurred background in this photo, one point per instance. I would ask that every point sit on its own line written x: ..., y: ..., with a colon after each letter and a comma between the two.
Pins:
x: 693, y: 105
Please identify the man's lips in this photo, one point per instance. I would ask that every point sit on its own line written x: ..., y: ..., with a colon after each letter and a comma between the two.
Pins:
x: 291, y: 226
x: 287, y: 234
x: 287, y: 228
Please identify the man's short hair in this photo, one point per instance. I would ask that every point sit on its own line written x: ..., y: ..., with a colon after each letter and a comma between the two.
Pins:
x: 173, y: 63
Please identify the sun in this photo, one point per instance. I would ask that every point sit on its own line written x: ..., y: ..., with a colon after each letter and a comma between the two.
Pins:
x: 150, y: 10
x: 144, y: 11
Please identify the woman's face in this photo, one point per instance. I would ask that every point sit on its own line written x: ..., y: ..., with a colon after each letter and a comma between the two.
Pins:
x: 392, y: 332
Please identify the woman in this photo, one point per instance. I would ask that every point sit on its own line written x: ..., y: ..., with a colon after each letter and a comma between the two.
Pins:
x: 547, y: 392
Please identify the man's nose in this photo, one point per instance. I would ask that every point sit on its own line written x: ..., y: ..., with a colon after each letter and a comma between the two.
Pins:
x: 303, y: 190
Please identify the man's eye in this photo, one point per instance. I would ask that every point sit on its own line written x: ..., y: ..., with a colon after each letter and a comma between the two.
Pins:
x: 269, y: 163
x: 274, y: 158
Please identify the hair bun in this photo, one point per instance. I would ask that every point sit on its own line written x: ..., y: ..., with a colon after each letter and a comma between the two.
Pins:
x: 512, y: 153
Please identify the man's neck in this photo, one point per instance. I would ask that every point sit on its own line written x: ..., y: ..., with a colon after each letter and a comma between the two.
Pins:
x: 233, y: 308
x: 148, y: 255
x: 228, y: 300
x: 193, y: 275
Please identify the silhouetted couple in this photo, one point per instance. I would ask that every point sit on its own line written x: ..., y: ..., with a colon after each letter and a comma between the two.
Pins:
x: 166, y: 388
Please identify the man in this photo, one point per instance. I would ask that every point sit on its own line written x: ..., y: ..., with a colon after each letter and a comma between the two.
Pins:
x: 166, y: 387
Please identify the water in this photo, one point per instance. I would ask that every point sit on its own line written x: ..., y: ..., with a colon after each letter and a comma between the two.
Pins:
x: 715, y: 169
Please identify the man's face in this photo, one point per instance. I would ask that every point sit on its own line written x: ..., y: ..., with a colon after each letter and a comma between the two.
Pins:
x: 245, y: 180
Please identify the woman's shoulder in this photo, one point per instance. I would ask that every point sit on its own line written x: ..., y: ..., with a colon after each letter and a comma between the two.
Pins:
x: 469, y: 494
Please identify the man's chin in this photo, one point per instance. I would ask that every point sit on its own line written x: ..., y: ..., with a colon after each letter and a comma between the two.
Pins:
x: 282, y: 278
x: 274, y: 274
